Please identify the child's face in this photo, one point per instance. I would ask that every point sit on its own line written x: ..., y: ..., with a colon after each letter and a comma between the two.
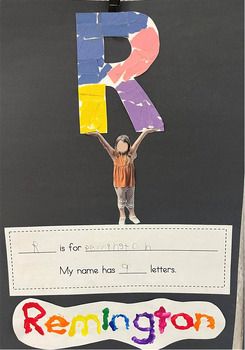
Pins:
x: 122, y: 147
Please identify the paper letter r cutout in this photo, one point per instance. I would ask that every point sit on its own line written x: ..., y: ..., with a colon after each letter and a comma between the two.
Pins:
x: 94, y: 74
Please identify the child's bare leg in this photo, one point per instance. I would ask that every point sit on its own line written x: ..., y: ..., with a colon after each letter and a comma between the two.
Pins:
x: 121, y: 202
x: 122, y: 213
x: 133, y: 217
x: 131, y: 212
x: 122, y: 216
x: 130, y: 205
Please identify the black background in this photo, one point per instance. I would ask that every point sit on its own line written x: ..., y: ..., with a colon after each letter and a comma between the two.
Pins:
x: 190, y: 174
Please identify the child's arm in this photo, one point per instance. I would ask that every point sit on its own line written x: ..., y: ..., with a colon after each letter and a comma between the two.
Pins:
x: 104, y: 143
x: 141, y: 138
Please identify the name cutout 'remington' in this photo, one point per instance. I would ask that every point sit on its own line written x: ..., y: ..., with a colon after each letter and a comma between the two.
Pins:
x: 146, y: 325
x: 94, y: 74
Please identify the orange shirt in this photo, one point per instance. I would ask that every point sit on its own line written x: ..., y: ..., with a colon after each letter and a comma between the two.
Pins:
x: 124, y: 171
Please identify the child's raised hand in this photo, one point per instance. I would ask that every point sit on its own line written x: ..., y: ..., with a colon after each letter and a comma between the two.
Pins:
x: 94, y: 133
x: 150, y: 130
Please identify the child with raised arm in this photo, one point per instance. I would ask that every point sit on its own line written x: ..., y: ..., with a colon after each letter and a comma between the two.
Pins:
x: 123, y: 156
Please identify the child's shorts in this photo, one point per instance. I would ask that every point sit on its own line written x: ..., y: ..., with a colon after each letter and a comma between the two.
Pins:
x: 125, y: 197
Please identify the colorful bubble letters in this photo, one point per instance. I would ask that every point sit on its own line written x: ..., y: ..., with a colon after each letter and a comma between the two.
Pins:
x: 146, y: 325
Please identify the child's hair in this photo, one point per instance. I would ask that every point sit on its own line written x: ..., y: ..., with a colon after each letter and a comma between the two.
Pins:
x: 123, y: 138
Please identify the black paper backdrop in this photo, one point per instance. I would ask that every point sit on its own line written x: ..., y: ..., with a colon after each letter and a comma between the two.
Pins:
x: 191, y: 174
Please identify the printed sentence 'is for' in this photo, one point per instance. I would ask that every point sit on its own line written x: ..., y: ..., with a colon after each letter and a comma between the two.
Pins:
x: 71, y: 247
